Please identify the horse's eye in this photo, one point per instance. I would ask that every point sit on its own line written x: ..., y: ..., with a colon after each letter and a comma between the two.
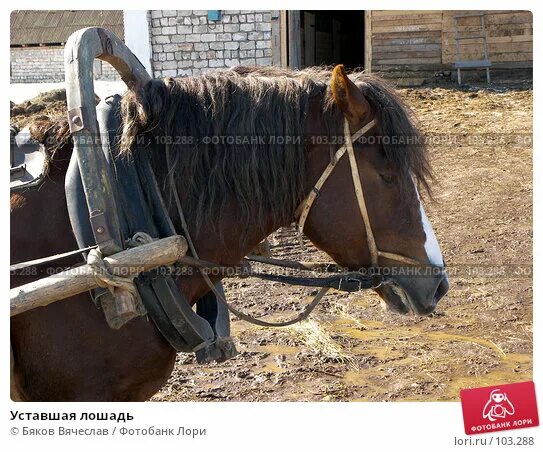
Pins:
x: 388, y: 178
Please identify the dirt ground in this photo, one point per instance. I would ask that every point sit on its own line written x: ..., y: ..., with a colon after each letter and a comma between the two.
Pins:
x: 350, y: 349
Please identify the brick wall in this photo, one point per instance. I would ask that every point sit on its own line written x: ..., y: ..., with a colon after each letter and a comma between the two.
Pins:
x: 46, y: 64
x: 183, y: 43
x: 186, y: 43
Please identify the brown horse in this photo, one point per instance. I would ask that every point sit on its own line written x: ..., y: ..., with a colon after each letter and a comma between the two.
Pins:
x: 235, y: 190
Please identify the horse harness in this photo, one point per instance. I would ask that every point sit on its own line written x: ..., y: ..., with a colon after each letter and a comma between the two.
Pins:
x: 114, y: 203
x: 306, y: 205
x: 348, y: 281
x: 158, y: 293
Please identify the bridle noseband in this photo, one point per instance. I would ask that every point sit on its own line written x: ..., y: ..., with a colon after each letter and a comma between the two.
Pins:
x: 306, y: 205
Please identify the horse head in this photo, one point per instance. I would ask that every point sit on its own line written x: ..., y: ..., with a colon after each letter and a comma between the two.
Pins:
x: 369, y: 212
x: 250, y: 145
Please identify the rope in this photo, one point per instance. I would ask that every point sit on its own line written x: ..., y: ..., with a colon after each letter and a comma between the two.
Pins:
x: 102, y: 274
x: 127, y: 302
x: 46, y: 260
x: 139, y: 238
x: 104, y: 277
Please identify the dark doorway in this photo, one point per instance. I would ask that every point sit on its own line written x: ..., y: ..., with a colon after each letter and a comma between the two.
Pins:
x: 331, y: 37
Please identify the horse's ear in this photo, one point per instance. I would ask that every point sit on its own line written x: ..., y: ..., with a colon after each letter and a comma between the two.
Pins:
x: 349, y: 98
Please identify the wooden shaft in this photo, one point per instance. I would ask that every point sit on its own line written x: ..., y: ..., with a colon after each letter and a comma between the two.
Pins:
x: 81, y: 279
x: 294, y: 47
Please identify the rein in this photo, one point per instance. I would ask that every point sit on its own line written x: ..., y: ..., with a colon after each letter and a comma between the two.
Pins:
x: 349, y: 281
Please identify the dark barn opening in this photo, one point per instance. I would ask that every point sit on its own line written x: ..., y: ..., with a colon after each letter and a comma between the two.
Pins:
x: 331, y: 37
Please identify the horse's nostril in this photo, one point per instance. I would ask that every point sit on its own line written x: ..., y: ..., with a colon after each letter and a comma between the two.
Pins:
x: 442, y: 289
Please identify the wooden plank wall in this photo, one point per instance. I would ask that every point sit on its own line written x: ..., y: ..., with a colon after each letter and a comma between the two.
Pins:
x: 423, y: 41
x: 509, y: 37
x: 406, y: 38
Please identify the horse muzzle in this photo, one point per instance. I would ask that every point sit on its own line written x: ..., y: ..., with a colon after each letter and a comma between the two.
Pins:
x: 415, y: 294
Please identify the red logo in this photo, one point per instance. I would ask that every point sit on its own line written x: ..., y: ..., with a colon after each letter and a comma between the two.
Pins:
x: 496, y: 408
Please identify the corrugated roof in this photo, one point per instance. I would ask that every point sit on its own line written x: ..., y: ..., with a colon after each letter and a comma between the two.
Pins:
x: 55, y: 26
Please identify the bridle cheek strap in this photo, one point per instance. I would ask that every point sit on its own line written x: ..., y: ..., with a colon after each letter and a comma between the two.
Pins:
x: 372, y: 246
x: 308, y: 202
x: 305, y: 208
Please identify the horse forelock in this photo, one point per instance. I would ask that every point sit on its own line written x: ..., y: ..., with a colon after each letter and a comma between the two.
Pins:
x: 403, y: 143
x: 226, y: 133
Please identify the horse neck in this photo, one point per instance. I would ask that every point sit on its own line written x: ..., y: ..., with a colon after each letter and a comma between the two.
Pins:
x: 221, y: 244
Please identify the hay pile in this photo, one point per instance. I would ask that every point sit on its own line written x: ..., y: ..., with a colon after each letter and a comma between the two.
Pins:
x: 50, y: 105
x: 45, y: 115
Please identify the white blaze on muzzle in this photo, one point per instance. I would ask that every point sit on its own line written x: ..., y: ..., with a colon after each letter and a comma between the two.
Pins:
x: 433, y: 251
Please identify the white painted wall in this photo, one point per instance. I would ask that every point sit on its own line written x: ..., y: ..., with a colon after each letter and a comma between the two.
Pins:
x: 136, y: 36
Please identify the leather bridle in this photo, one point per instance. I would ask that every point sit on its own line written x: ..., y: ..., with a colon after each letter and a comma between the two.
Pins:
x: 363, y: 280
x: 306, y: 205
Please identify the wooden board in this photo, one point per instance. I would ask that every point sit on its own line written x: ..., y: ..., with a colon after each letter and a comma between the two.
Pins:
x: 82, y: 279
x: 406, y: 47
x: 509, y: 36
x: 505, y: 29
x: 431, y: 36
x: 490, y: 19
x: 379, y: 28
x: 283, y: 20
x: 276, y: 37
x: 425, y: 40
x: 294, y: 44
x: 516, y: 38
x: 502, y: 47
x: 409, y: 20
x: 414, y: 61
x: 309, y: 41
x: 380, y: 14
x: 448, y: 42
x: 405, y: 68
x: 401, y: 37
x: 379, y: 41
x: 433, y: 54
x: 368, y: 46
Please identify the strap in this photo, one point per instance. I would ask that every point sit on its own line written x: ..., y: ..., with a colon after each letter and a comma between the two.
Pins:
x: 297, y: 265
x: 308, y: 203
x: 305, y: 207
x: 241, y: 315
x: 46, y: 260
x: 346, y: 282
x: 360, y: 195
x: 399, y: 258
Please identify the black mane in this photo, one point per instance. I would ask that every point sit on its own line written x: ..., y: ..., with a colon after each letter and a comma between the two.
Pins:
x: 265, y: 178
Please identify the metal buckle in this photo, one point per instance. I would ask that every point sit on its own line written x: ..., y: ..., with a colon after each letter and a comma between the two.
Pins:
x: 77, y: 119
